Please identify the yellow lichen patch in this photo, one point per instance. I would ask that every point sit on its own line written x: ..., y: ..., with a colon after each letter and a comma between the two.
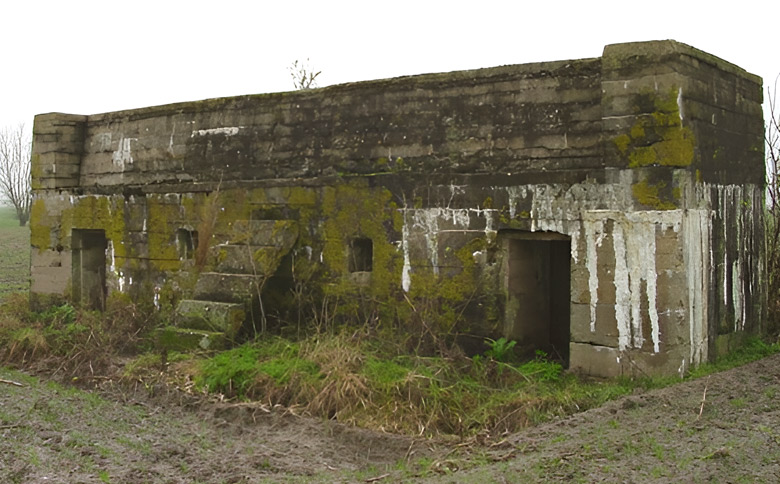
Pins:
x: 97, y: 212
x: 622, y: 142
x: 161, y: 231
x: 40, y: 230
x: 352, y: 211
x: 676, y: 150
x: 649, y: 195
x: 637, y: 131
x: 658, y: 138
x: 642, y: 156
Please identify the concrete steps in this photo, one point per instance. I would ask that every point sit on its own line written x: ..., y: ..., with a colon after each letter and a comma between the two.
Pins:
x: 222, y: 298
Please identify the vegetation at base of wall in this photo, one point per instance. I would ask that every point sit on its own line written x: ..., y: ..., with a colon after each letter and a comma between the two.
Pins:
x: 751, y: 349
x: 349, y: 377
x: 358, y: 375
x: 74, y: 341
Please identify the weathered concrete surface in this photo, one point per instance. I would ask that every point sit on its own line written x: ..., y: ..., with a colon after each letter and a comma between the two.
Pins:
x: 225, y: 318
x: 647, y: 162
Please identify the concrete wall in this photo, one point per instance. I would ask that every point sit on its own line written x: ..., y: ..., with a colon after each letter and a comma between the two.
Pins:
x: 647, y: 160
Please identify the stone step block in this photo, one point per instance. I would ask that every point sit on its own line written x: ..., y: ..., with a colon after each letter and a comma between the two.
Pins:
x: 172, y: 338
x: 222, y: 287
x: 211, y: 316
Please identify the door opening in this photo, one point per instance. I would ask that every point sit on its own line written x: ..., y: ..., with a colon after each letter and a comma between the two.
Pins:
x: 538, y: 282
x: 89, y: 268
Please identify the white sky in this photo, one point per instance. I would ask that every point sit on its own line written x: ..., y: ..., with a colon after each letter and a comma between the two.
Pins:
x: 88, y: 57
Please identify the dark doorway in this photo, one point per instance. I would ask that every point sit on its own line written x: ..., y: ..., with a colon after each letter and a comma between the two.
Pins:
x: 89, y: 268
x: 538, y: 281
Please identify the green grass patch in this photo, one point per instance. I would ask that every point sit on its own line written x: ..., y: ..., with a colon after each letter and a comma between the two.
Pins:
x: 8, y: 217
x: 282, y: 370
x: 231, y: 372
x: 752, y: 349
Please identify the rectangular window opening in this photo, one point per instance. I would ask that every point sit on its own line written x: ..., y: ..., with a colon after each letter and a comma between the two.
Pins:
x: 186, y: 243
x: 361, y: 255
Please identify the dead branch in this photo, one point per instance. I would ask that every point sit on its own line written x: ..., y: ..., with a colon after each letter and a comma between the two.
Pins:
x: 703, y: 398
x: 377, y: 478
x: 9, y: 382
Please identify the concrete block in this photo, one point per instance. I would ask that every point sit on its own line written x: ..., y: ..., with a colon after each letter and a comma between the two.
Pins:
x: 605, y: 334
x: 182, y: 339
x: 215, y: 286
x: 50, y: 280
x: 211, y: 316
x: 596, y: 360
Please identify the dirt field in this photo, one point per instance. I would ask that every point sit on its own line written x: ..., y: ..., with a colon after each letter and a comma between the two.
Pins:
x: 14, y: 254
x: 55, y: 433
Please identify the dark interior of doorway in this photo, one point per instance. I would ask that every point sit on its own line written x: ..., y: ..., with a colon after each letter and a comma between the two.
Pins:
x: 538, y: 289
x: 89, y: 268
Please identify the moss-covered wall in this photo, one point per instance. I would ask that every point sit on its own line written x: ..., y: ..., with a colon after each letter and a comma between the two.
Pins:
x: 645, y: 161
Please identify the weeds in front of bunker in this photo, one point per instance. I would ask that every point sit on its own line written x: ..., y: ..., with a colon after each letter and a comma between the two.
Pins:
x: 352, y: 374
x: 65, y: 339
x: 349, y: 377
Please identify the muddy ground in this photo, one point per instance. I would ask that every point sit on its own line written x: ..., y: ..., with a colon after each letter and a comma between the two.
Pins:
x: 722, y: 428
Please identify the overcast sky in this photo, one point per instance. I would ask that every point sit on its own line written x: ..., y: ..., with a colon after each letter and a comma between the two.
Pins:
x: 88, y: 57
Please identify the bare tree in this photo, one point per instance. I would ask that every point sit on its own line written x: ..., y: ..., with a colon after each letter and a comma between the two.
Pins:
x: 15, y: 154
x: 773, y: 207
x: 302, y: 75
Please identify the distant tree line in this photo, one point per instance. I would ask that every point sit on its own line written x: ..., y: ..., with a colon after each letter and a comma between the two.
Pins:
x: 773, y: 209
x: 15, y: 154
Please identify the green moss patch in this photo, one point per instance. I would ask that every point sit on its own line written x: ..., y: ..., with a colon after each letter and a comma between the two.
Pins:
x: 650, y: 195
x: 658, y: 138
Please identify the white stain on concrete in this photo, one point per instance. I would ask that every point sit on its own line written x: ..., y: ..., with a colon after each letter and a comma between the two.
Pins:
x: 580, y: 211
x: 123, y: 154
x: 227, y: 131
x: 170, y: 142
x: 112, y: 256
x: 697, y: 236
x: 680, y: 109
x: 429, y: 223
x: 406, y: 271
x: 594, y: 236
x: 622, y: 294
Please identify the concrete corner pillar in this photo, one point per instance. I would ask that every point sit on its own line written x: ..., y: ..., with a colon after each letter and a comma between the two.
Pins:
x: 58, y: 144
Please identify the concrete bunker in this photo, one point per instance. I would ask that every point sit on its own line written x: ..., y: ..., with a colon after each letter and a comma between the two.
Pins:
x: 609, y: 209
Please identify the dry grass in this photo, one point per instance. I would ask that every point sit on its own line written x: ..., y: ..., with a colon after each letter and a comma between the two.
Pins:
x: 70, y: 341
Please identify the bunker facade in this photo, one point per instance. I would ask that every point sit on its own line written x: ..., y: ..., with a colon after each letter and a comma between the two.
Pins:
x: 607, y: 210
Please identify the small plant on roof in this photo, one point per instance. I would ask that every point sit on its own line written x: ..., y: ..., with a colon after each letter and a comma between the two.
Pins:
x: 302, y: 75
